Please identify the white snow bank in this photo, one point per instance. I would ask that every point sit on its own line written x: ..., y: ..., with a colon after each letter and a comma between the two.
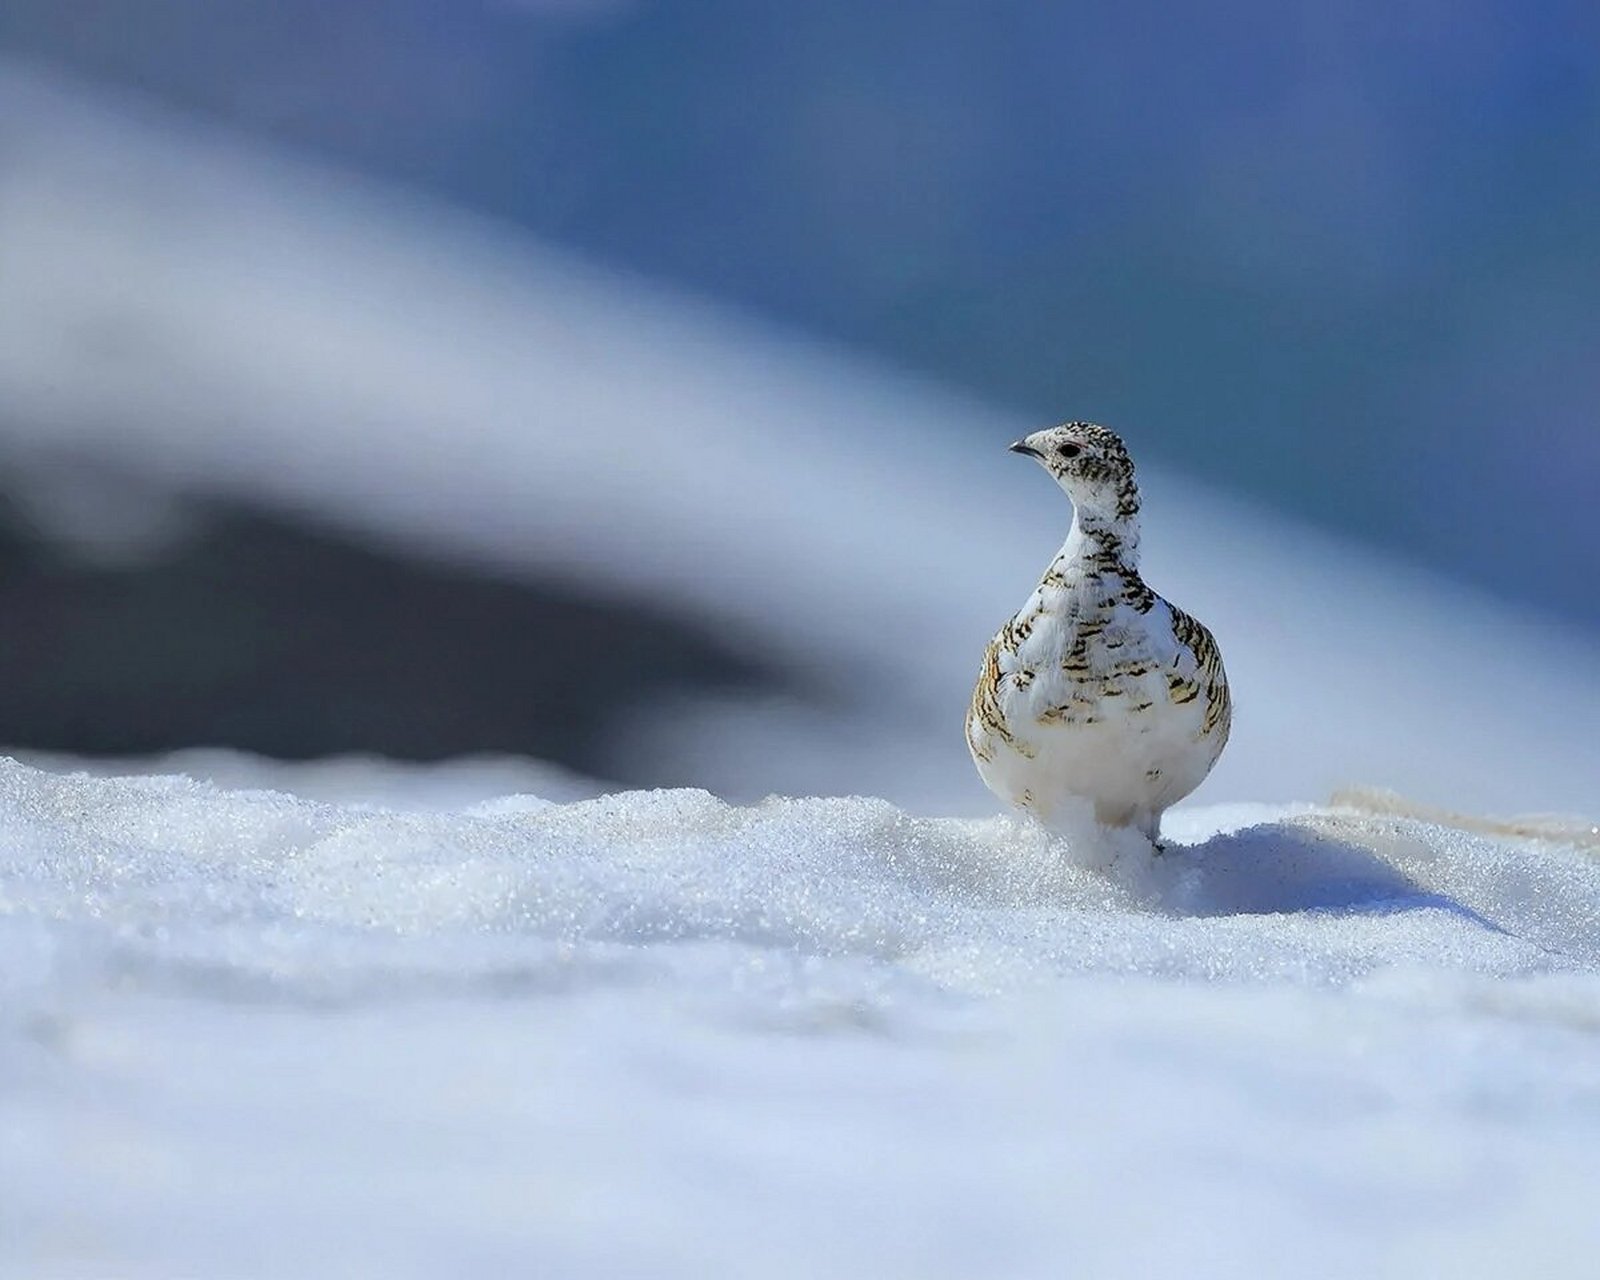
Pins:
x: 438, y: 786
x: 245, y: 1033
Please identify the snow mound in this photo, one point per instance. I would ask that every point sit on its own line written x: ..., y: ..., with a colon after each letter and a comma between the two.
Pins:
x: 246, y: 1032
x: 175, y: 876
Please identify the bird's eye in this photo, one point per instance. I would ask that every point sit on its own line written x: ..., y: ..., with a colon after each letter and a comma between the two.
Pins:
x: 1070, y: 450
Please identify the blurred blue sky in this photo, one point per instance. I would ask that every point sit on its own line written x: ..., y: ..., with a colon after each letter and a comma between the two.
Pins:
x: 1344, y: 259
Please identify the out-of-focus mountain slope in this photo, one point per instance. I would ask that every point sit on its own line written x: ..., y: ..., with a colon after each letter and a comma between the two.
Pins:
x: 203, y: 318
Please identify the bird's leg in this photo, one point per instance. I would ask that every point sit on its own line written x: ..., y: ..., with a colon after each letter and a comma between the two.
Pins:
x: 1149, y: 825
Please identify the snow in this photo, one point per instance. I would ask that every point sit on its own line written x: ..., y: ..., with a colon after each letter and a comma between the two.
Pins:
x: 354, y: 1017
x: 248, y: 1033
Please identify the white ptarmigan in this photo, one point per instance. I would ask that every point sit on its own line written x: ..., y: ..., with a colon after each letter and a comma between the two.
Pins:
x: 1098, y: 690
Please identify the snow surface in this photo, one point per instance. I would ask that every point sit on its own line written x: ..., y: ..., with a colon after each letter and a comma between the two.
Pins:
x: 245, y: 1033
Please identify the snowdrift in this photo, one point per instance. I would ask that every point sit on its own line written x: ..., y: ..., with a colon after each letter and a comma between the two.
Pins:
x: 245, y: 1032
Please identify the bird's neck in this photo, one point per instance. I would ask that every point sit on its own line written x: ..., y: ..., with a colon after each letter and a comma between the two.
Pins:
x: 1104, y: 540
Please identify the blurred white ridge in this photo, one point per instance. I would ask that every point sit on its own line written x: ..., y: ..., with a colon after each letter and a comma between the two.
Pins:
x: 205, y: 314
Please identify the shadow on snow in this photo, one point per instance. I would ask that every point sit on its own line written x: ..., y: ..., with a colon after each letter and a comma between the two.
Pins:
x: 1279, y: 867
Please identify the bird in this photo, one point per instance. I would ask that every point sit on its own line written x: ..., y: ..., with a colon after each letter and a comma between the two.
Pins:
x: 1097, y: 690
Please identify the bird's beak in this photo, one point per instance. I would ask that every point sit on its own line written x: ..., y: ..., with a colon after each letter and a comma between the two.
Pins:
x: 1022, y: 446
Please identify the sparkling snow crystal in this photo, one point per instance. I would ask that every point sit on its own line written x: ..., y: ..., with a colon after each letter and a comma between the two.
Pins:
x: 247, y: 1033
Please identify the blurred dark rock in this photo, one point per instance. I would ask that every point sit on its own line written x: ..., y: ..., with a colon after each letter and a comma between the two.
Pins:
x: 294, y: 642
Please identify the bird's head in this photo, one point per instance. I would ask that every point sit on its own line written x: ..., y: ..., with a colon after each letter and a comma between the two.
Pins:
x: 1091, y: 463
